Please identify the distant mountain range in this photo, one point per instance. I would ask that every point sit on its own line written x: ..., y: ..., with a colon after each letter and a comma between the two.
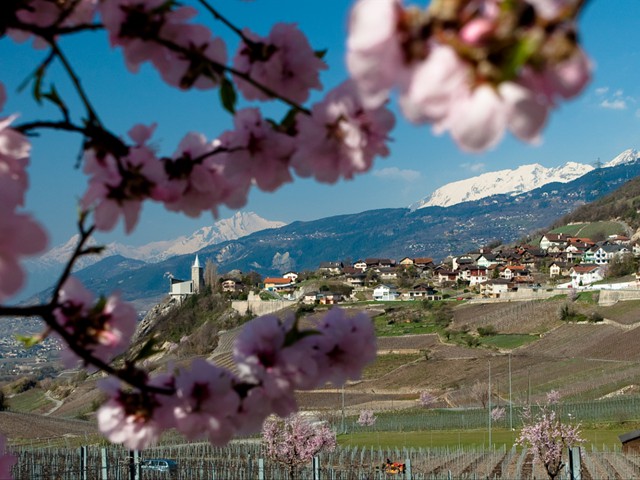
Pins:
x: 427, y: 231
x: 513, y: 181
x: 42, y: 270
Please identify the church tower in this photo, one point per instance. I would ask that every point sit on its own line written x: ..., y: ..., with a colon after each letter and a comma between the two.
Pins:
x: 197, y: 276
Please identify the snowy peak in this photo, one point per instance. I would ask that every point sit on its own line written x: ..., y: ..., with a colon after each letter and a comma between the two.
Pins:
x: 514, y: 181
x: 509, y: 181
x: 628, y: 156
x: 240, y: 225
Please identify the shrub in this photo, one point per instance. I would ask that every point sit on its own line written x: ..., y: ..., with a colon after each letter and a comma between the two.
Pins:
x: 487, y: 331
x: 596, y: 317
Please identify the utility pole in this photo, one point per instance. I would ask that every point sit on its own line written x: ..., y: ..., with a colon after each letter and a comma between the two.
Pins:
x: 489, y: 403
x: 342, y: 427
x: 510, y: 402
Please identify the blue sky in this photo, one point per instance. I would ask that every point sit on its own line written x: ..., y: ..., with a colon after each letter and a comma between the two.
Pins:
x: 601, y: 123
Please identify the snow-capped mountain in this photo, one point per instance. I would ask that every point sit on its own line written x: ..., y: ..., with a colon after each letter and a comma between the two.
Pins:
x: 44, y: 270
x: 240, y: 225
x: 513, y: 181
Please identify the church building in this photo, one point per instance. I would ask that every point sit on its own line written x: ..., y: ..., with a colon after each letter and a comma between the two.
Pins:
x: 180, y: 289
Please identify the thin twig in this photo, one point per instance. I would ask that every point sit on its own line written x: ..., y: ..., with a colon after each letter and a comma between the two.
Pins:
x: 93, y: 116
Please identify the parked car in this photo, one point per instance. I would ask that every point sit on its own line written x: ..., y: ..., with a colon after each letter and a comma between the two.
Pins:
x: 160, y: 465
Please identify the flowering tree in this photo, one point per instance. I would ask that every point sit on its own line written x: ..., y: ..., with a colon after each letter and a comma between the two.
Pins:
x: 294, y: 441
x: 426, y: 399
x: 497, y: 413
x: 472, y: 68
x: 366, y: 418
x: 6, y: 460
x: 548, y: 437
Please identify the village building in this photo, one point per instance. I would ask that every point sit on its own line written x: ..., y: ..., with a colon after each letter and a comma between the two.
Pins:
x: 180, y: 289
x: 385, y: 293
x: 585, y: 274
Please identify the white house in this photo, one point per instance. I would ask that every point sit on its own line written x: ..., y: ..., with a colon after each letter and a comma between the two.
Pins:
x: 385, y: 293
x: 292, y: 276
x: 585, y: 274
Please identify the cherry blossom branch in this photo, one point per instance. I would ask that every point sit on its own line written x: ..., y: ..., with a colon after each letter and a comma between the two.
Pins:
x: 93, y: 117
x: 218, y: 16
x: 198, y: 56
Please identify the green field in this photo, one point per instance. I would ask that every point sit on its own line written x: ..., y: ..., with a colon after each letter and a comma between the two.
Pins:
x: 504, y: 341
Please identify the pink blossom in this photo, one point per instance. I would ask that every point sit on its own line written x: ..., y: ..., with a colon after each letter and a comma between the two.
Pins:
x: 206, y: 402
x: 7, y: 460
x: 548, y: 437
x: 434, y: 85
x: 426, y: 399
x: 346, y: 345
x: 19, y: 235
x: 451, y: 70
x: 140, y: 28
x: 294, y: 441
x: 104, y: 328
x: 550, y: 9
x: 477, y: 30
x: 553, y: 397
x: 117, y: 187
x: 46, y: 14
x: 374, y: 53
x: 498, y: 413
x: 341, y: 137
x: 14, y: 157
x: 262, y: 357
x: 256, y: 152
x: 568, y: 78
x: 283, y: 61
x: 132, y: 418
x: 196, y: 180
x: 366, y: 418
x: 254, y: 409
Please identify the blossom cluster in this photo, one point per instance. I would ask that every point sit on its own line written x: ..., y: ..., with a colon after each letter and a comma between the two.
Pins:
x: 339, y: 138
x: 473, y: 68
x: 366, y: 418
x: 273, y: 358
x: 20, y: 234
x: 101, y: 328
x: 548, y: 436
x: 426, y: 399
x: 497, y: 413
x: 295, y: 440
x: 6, y: 460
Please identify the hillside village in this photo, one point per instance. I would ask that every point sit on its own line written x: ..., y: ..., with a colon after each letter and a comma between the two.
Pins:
x: 556, y: 260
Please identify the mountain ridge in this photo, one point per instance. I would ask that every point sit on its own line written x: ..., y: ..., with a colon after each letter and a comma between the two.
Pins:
x: 434, y: 232
x: 513, y: 181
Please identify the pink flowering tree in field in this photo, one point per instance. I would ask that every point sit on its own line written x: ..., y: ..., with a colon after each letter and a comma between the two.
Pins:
x: 294, y: 441
x: 548, y: 436
x: 6, y: 460
x: 497, y: 413
x: 426, y: 399
x: 468, y: 67
x: 366, y: 418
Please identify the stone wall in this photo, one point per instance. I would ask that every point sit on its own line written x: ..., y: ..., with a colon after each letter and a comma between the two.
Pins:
x: 258, y: 307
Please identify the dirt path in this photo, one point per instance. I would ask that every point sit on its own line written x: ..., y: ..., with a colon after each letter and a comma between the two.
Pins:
x: 58, y: 403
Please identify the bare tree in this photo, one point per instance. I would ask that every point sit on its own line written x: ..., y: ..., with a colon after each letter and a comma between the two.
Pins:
x: 210, y: 274
x: 480, y: 391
